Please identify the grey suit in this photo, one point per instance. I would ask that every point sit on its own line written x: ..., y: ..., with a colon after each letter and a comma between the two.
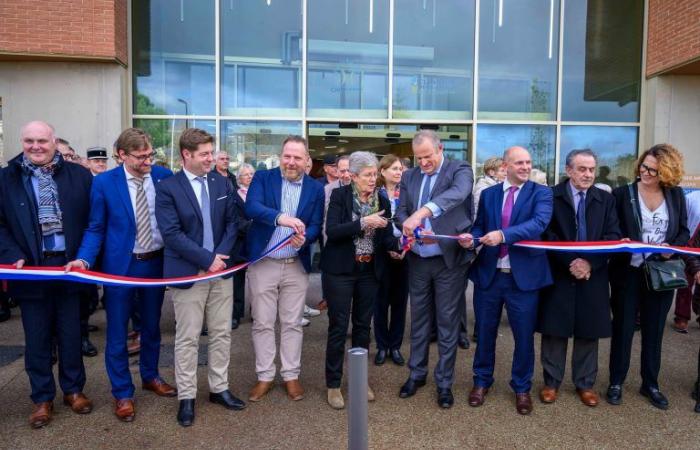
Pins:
x: 436, y: 284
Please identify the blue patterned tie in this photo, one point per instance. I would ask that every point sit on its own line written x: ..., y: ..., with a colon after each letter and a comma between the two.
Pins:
x: 581, y: 217
x: 425, y: 195
x: 208, y: 236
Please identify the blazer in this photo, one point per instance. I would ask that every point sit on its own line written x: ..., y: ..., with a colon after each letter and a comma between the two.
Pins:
x: 20, y: 236
x: 338, y: 254
x: 452, y: 193
x: 180, y: 222
x: 531, y: 215
x: 263, y: 205
x: 112, y: 224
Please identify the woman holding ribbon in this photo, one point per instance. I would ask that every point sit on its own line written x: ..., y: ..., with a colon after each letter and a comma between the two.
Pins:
x: 651, y: 210
x: 352, y: 263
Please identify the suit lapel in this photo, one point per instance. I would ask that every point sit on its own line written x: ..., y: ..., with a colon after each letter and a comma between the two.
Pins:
x: 303, y: 196
x: 189, y: 193
x: 498, y: 207
x: 441, y: 180
x: 122, y: 187
x: 213, y: 195
x: 277, y: 188
x: 524, y: 194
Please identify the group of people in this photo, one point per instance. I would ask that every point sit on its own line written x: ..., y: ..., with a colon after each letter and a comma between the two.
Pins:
x: 375, y: 223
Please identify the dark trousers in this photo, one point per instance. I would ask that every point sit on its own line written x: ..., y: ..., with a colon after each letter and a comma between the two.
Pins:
x: 58, y: 310
x: 436, y: 291
x: 239, y: 294
x: 653, y: 309
x: 88, y: 304
x: 521, y: 307
x: 584, y: 361
x: 119, y: 305
x: 686, y: 298
x: 393, y: 296
x: 354, y: 293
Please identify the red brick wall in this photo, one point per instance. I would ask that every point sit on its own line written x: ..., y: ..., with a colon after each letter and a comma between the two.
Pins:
x: 83, y: 29
x: 674, y: 34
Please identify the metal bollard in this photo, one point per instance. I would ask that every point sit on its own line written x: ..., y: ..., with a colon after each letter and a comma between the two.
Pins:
x: 357, y: 399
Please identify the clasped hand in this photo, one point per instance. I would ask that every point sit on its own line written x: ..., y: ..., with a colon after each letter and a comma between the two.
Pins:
x: 374, y: 221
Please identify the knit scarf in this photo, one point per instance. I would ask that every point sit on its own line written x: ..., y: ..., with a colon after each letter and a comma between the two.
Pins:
x: 50, y: 216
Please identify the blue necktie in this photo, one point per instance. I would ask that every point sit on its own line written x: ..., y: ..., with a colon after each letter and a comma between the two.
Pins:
x: 208, y: 234
x: 581, y: 217
x: 425, y: 195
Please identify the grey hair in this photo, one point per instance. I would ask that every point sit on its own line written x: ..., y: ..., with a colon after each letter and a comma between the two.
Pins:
x: 576, y: 152
x: 219, y: 152
x: 429, y: 135
x: 342, y: 158
x: 240, y: 170
x: 362, y: 160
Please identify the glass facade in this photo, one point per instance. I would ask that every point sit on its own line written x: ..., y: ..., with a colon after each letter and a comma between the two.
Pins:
x: 550, y: 75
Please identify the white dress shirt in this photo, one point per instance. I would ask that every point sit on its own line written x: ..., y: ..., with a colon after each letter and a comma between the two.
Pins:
x: 150, y: 191
x: 197, y: 186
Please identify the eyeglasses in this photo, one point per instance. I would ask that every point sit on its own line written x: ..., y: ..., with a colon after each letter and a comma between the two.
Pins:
x: 142, y: 158
x: 652, y: 172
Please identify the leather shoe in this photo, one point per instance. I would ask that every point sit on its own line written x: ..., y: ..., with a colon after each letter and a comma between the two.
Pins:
x: 41, y: 416
x: 227, y: 400
x: 410, y: 387
x: 78, y: 402
x: 124, y: 409
x: 588, y: 397
x: 335, y: 398
x: 87, y: 348
x: 656, y: 398
x: 477, y: 396
x: 397, y: 357
x: 548, y: 394
x: 614, y: 394
x: 185, y: 413
x: 295, y: 391
x: 380, y: 357
x: 463, y: 342
x: 445, y: 399
x: 523, y: 403
x: 259, y: 390
x: 234, y: 323
x: 680, y: 325
x: 160, y: 387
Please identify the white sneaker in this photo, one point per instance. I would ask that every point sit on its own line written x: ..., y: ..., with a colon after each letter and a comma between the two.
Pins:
x: 305, y: 322
x: 311, y: 312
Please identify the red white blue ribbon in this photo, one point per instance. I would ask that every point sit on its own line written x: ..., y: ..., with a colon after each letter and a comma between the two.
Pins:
x: 40, y: 273
x: 608, y: 247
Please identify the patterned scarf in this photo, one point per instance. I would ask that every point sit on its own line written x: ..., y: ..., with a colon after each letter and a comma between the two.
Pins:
x: 50, y: 216
x: 364, y: 244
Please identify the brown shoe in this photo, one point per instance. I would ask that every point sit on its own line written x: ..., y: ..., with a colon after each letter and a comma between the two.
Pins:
x: 680, y: 325
x: 523, y: 403
x: 295, y: 391
x: 78, y: 402
x: 124, y: 409
x: 160, y: 387
x: 477, y: 396
x: 260, y: 389
x: 589, y: 397
x: 548, y: 394
x: 41, y: 416
x: 133, y: 344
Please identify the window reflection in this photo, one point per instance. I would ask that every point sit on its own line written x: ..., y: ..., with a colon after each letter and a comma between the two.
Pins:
x: 165, y: 137
x: 255, y: 142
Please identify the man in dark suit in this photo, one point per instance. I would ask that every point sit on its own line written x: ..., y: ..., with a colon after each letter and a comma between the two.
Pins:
x: 510, y: 212
x: 123, y: 226
x: 197, y: 218
x: 42, y: 218
x: 578, y: 303
x: 436, y: 196
x: 280, y: 202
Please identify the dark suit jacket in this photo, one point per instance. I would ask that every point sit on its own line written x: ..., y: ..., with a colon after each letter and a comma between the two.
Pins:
x: 531, y: 215
x: 112, y: 224
x: 20, y: 236
x: 572, y: 307
x: 338, y: 255
x: 452, y: 192
x: 263, y: 205
x: 180, y: 222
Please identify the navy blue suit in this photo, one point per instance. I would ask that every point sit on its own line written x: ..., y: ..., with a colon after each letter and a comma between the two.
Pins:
x: 518, y: 290
x: 112, y: 230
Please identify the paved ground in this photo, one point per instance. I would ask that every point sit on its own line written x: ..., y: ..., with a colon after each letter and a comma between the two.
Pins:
x: 394, y: 423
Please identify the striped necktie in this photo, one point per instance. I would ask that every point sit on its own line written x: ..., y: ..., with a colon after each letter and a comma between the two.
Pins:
x: 144, y: 234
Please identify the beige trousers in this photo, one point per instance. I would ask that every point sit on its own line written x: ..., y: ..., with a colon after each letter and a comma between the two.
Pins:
x: 215, y: 299
x: 277, y: 287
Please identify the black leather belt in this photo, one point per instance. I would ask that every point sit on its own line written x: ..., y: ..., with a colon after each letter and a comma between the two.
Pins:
x: 52, y: 254
x: 148, y: 255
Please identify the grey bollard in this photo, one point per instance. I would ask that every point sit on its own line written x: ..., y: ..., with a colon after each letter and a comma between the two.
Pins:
x: 357, y: 399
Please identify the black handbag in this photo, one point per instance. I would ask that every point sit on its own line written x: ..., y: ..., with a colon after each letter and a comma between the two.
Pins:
x: 660, y: 274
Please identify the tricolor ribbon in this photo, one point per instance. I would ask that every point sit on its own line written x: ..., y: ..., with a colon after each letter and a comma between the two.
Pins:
x: 27, y: 273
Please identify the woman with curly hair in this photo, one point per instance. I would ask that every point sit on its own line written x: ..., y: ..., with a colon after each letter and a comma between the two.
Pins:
x: 660, y: 218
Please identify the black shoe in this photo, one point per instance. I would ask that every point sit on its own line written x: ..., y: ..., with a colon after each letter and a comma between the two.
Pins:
x: 87, y: 348
x: 433, y: 337
x: 695, y: 395
x: 234, y: 323
x: 5, y: 314
x: 410, y: 387
x: 185, y: 414
x: 656, y: 398
x: 397, y: 357
x: 227, y: 400
x: 380, y: 358
x: 93, y: 328
x: 463, y: 342
x: 445, y: 399
x: 614, y: 394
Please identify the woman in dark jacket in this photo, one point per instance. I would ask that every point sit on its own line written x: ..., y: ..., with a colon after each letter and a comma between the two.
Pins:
x: 352, y: 263
x: 660, y: 207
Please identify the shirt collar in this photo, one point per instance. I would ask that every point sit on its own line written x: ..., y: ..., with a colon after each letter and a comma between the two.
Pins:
x: 129, y: 176
x: 574, y: 191
x: 294, y: 183
x: 190, y: 176
x: 507, y: 185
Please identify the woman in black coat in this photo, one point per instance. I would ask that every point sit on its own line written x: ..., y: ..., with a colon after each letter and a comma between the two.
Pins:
x: 352, y: 263
x: 660, y: 206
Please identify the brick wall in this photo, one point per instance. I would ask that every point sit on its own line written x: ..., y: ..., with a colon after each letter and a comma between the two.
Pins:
x: 674, y: 34
x: 82, y: 29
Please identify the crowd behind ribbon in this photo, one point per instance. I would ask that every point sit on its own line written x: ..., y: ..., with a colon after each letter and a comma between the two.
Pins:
x: 141, y: 220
